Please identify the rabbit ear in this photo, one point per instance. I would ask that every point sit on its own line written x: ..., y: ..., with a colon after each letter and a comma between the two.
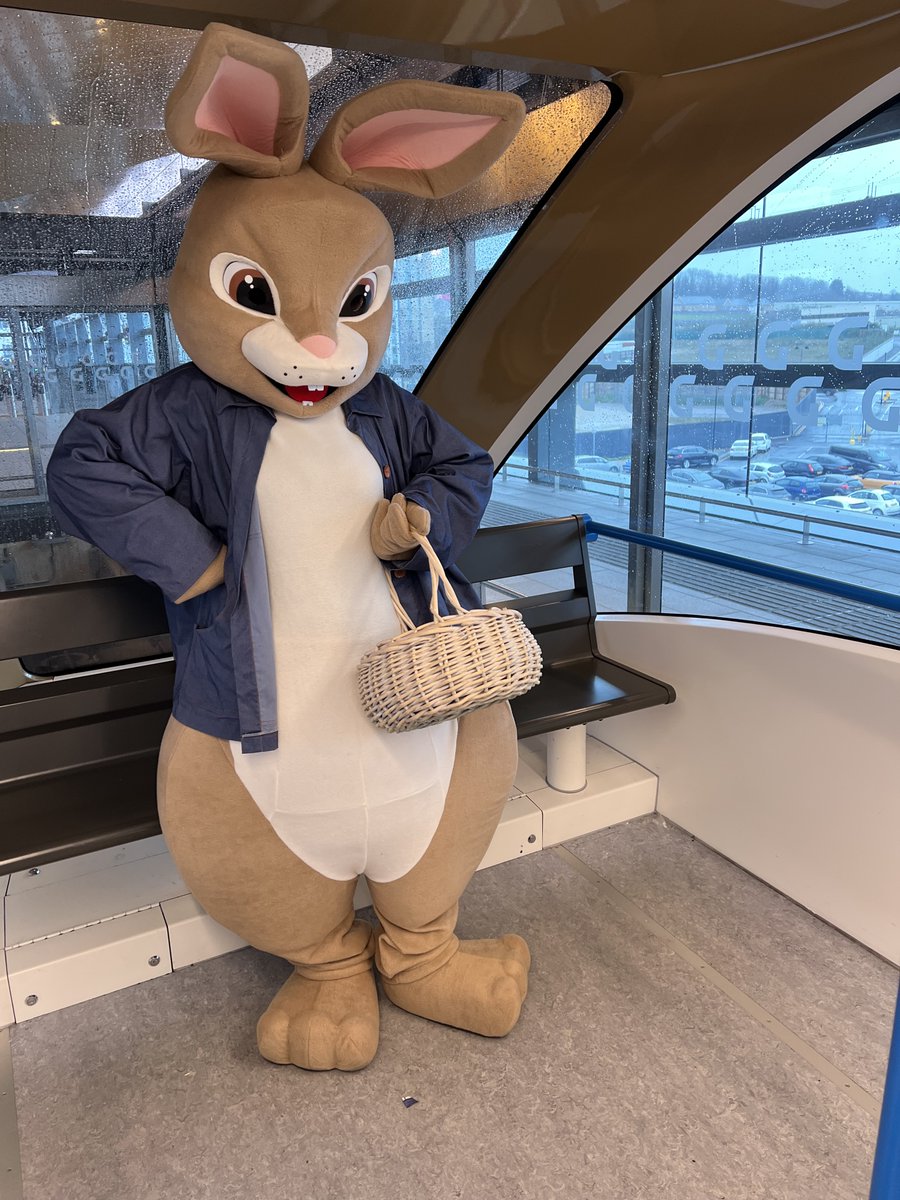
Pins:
x: 426, y: 139
x: 242, y: 101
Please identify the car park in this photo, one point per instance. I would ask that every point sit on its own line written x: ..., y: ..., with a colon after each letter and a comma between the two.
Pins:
x: 878, y: 501
x: 802, y: 466
x: 841, y: 504
x: 690, y: 456
x: 766, y: 472
x: 679, y: 475
x: 800, y: 488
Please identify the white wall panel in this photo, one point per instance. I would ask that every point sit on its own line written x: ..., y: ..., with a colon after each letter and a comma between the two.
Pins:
x: 782, y: 752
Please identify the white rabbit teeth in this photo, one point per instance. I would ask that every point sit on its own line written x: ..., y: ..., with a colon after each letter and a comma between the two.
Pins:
x: 306, y: 403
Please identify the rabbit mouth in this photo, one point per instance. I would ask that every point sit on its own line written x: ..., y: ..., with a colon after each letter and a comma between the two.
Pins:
x: 305, y: 395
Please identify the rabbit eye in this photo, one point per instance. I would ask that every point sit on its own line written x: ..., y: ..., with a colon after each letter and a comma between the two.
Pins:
x: 360, y: 298
x: 248, y: 286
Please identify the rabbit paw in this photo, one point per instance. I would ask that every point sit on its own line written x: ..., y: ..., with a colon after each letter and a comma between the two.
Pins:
x: 481, y: 988
x: 322, y: 1025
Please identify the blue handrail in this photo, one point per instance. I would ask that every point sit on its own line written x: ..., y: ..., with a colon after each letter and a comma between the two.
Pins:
x: 886, y: 1171
x: 832, y: 587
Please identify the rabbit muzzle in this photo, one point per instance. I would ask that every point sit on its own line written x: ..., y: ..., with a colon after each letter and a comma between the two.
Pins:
x: 299, y: 374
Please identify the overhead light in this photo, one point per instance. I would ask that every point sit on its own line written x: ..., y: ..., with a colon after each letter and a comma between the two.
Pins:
x: 55, y: 120
x: 84, y: 251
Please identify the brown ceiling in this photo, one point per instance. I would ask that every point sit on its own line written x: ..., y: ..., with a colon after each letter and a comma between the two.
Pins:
x: 649, y: 37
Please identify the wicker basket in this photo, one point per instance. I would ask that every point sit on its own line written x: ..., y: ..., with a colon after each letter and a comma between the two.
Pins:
x: 452, y: 666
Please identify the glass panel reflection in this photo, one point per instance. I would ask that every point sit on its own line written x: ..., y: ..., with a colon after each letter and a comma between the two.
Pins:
x: 777, y: 351
x: 92, y: 204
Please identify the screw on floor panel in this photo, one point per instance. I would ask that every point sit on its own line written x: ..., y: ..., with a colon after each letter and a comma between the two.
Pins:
x: 30, y: 1000
x: 153, y: 960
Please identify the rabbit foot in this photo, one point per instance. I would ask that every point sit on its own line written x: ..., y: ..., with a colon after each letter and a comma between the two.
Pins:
x: 322, y: 1025
x: 481, y: 988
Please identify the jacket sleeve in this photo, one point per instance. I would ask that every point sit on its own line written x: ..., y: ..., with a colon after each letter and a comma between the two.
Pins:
x: 451, y: 477
x: 110, y: 478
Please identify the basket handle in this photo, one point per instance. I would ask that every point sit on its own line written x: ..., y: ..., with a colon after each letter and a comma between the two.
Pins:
x: 438, y: 579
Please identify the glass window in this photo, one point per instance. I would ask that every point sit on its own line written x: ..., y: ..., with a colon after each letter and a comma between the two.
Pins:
x: 776, y: 347
x: 87, y: 249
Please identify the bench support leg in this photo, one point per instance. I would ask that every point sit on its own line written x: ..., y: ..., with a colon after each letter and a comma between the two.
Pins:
x: 567, y: 759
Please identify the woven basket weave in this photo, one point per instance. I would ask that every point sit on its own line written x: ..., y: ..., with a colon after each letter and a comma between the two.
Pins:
x: 450, y: 667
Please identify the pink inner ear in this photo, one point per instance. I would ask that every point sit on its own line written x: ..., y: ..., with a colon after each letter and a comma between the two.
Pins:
x: 242, y: 104
x: 414, y: 139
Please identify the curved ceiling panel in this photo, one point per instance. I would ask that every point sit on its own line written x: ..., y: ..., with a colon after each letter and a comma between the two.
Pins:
x: 646, y: 36
x: 631, y: 211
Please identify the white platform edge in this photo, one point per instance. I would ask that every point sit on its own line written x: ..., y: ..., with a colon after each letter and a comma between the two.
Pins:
x: 116, y: 951
x: 6, y: 1009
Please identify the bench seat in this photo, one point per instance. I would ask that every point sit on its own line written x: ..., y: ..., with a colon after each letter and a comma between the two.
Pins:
x: 78, y: 753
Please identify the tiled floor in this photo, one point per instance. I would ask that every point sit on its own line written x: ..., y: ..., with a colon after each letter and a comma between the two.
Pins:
x: 630, y: 1075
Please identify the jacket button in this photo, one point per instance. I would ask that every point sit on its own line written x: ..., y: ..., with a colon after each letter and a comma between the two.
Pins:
x: 399, y: 574
x: 387, y: 472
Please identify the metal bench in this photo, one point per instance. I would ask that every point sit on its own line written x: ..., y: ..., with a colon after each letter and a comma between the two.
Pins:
x: 78, y: 752
x: 578, y: 684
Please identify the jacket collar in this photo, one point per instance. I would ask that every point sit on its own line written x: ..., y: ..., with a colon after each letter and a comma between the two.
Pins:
x: 366, y: 400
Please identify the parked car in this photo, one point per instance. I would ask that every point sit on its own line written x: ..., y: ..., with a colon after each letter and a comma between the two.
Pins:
x: 834, y: 463
x: 837, y: 485
x: 802, y: 466
x: 590, y: 471
x: 757, y: 443
x: 693, y: 478
x: 800, y: 488
x: 841, y: 504
x: 690, y: 456
x: 878, y: 501
x: 772, y: 491
x: 766, y: 472
x: 732, y: 477
x: 877, y: 479
x: 595, y: 460
x: 863, y: 457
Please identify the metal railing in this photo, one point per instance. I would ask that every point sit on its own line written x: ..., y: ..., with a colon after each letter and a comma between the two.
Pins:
x: 832, y: 587
x: 806, y: 521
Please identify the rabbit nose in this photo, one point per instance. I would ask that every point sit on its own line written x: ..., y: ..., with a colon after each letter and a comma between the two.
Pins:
x: 319, y: 345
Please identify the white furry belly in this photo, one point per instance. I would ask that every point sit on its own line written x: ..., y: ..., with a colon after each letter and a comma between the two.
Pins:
x: 346, y: 797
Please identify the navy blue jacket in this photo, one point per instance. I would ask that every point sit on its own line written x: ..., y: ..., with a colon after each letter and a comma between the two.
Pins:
x: 164, y: 476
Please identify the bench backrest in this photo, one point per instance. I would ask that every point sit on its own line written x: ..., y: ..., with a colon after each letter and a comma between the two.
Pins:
x: 562, y: 620
x: 71, y: 615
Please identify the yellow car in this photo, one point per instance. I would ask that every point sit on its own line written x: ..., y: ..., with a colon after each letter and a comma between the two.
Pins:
x: 880, y: 479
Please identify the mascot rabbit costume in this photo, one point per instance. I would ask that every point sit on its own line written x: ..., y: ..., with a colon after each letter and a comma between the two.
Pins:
x: 265, y: 487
